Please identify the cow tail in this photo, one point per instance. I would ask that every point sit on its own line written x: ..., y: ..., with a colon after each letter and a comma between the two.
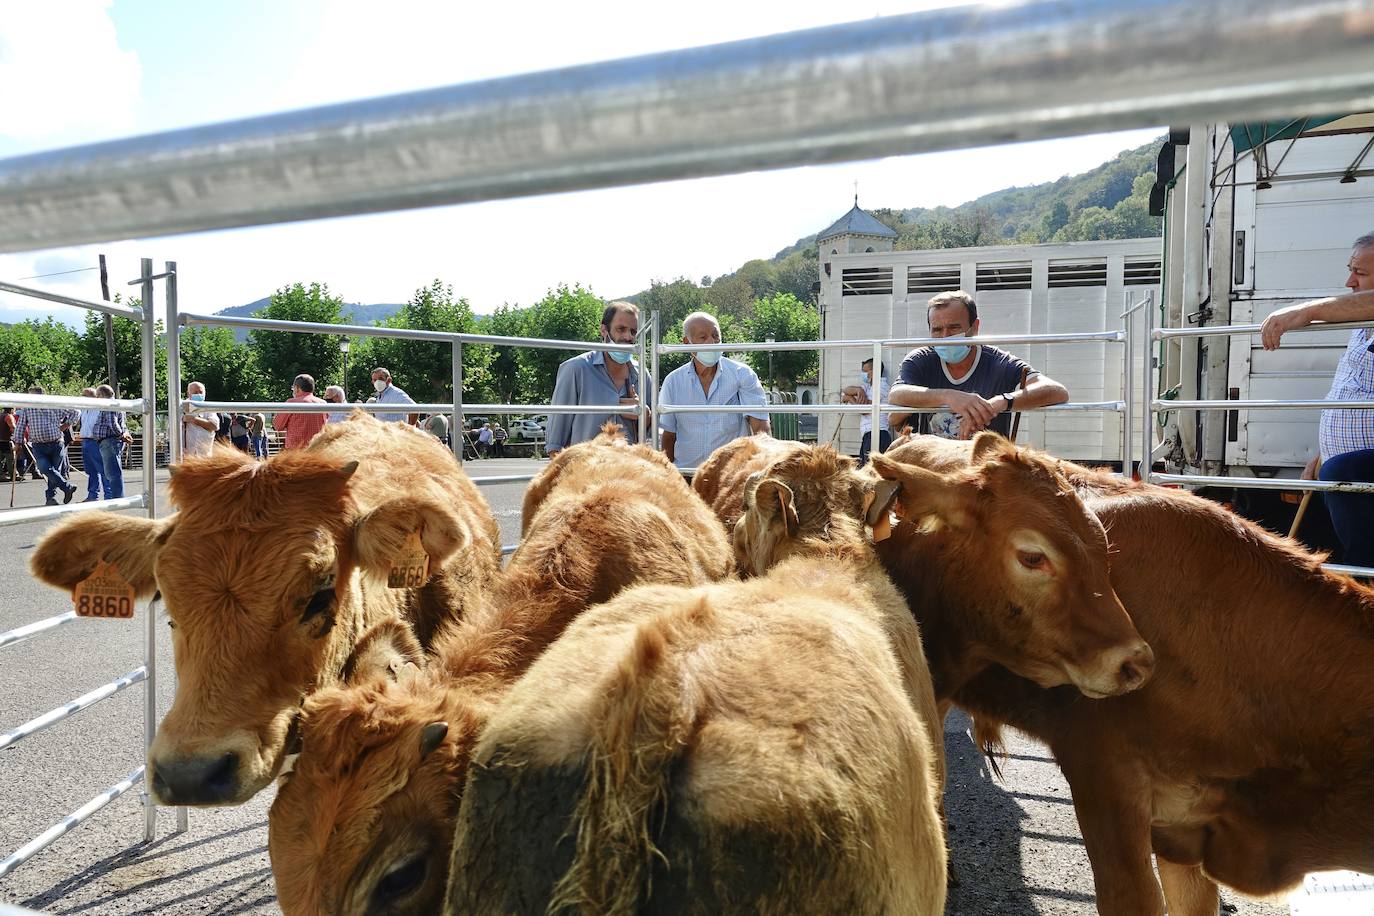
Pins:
x: 640, y: 727
x: 987, y: 735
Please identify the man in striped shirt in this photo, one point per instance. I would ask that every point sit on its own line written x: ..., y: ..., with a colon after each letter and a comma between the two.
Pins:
x: 1345, y: 437
x: 111, y: 435
x: 44, y: 426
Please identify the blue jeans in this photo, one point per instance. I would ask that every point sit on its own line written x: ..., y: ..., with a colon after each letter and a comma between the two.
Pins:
x: 259, y: 446
x: 884, y: 440
x: 1352, y: 514
x: 51, y: 456
x: 111, y: 451
x: 94, y: 465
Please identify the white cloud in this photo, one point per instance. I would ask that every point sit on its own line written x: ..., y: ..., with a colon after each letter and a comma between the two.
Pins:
x: 62, y: 72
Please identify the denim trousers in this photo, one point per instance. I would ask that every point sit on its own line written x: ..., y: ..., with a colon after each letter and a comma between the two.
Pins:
x: 111, y: 451
x: 51, y: 456
x: 94, y: 466
x: 1352, y: 514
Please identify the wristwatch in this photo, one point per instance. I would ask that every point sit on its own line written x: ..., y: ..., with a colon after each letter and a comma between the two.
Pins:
x: 1011, y: 396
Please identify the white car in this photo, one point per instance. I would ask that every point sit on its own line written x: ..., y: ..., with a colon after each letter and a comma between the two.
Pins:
x: 527, y: 429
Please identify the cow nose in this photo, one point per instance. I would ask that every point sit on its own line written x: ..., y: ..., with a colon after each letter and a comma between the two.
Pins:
x: 195, y: 780
x: 1136, y: 668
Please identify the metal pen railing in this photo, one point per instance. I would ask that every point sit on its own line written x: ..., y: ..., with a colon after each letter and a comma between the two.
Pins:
x: 146, y: 673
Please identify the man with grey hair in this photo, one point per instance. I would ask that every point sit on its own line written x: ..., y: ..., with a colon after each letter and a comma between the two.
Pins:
x: 1345, y: 438
x: 110, y: 435
x: 598, y: 377
x: 334, y: 394
x: 389, y: 393
x: 197, y: 429
x: 710, y: 378
x: 91, y: 462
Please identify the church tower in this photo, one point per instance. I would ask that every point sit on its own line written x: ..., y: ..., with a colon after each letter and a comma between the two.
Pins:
x: 856, y: 232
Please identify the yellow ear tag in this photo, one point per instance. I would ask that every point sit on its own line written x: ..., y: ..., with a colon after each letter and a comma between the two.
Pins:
x: 104, y: 593
x: 411, y: 568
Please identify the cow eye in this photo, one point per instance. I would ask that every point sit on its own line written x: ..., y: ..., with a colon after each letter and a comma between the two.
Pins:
x: 401, y: 880
x: 318, y: 604
x: 1032, y: 559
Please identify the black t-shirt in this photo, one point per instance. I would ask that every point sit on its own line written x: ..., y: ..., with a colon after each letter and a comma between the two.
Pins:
x: 994, y: 372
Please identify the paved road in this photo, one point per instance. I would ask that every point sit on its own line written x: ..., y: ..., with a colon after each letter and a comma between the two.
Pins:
x: 1015, y: 843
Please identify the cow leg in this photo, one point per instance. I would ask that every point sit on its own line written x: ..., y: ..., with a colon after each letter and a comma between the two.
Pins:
x: 1112, y: 801
x: 1187, y: 891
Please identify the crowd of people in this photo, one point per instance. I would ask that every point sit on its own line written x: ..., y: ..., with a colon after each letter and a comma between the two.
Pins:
x: 960, y: 388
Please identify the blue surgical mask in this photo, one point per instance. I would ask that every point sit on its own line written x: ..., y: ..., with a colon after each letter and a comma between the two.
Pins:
x: 195, y: 397
x: 708, y: 357
x: 619, y: 356
x: 953, y: 353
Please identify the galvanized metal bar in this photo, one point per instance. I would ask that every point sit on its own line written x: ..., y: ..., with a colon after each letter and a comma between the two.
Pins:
x: 44, y: 513
x: 1147, y: 413
x: 149, y: 355
x: 67, y: 710
x: 1236, y: 330
x: 30, y: 630
x: 1263, y: 404
x: 457, y: 434
x: 641, y: 409
x: 875, y: 437
x: 68, y: 823
x: 508, y: 549
x: 940, y: 79
x: 1117, y: 406
x: 18, y: 399
x: 109, y: 308
x: 503, y: 478
x: 1266, y: 483
x: 995, y: 339
x: 657, y: 341
x: 1361, y: 572
x: 470, y: 409
x: 1127, y: 384
x: 174, y: 423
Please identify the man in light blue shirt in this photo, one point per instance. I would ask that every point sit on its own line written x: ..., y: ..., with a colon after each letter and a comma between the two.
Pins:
x: 388, y: 393
x: 714, y: 379
x: 597, y: 377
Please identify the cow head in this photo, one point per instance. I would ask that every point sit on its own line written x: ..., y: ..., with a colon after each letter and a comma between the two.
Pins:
x: 363, y: 823
x: 809, y: 499
x: 1002, y: 558
x: 262, y: 573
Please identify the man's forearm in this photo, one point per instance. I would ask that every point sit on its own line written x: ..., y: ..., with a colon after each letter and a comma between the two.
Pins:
x: 1041, y: 393
x: 1350, y: 307
x: 916, y: 396
x: 669, y: 443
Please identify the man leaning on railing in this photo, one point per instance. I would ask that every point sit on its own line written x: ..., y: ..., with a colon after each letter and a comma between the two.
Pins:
x: 1345, y: 437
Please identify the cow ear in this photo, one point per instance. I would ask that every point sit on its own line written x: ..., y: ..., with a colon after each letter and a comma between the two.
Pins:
x: 773, y: 500
x: 379, y: 536
x: 989, y: 446
x: 926, y: 496
x: 768, y: 517
x: 70, y: 551
x: 387, y: 651
x: 431, y: 736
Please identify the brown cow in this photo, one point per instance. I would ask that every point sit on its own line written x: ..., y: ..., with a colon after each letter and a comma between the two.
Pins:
x: 757, y: 746
x: 721, y: 480
x: 364, y: 821
x: 1249, y: 757
x: 272, y: 574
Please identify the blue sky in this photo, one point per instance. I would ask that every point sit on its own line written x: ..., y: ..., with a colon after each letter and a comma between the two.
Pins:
x: 94, y: 70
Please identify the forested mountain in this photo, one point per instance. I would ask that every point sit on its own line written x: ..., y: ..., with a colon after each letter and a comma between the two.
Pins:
x: 353, y: 313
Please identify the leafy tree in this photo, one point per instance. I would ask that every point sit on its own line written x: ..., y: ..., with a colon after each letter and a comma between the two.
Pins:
x: 797, y: 272
x: 227, y: 367
x: 424, y: 368
x: 732, y: 295
x: 90, y: 361
x: 40, y: 353
x: 512, y: 380
x: 564, y: 314
x: 784, y: 317
x: 282, y: 355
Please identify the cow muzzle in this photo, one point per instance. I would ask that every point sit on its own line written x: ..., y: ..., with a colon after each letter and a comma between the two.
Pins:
x: 1115, y: 671
x: 200, y: 780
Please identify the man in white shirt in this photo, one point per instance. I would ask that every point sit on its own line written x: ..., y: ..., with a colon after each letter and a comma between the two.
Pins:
x: 197, y: 429
x: 334, y: 394
x: 714, y: 379
x: 862, y: 393
x: 388, y: 393
x: 91, y: 461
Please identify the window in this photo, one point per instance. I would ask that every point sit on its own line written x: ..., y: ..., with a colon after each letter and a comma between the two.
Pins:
x: 1142, y: 271
x: 1004, y: 276
x: 933, y: 279
x: 1078, y: 273
x: 866, y: 281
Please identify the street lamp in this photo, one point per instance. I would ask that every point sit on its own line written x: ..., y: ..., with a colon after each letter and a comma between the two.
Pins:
x: 772, y: 382
x: 344, y: 344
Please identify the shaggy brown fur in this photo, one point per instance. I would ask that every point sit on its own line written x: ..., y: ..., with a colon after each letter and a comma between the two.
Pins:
x: 271, y: 573
x: 722, y: 477
x: 363, y: 823
x: 760, y: 747
x: 1249, y: 757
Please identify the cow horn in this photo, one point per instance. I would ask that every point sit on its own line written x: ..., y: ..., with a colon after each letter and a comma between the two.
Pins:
x: 431, y: 737
x: 347, y: 470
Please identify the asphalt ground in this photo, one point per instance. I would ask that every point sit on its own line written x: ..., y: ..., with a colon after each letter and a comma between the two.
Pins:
x: 1014, y: 843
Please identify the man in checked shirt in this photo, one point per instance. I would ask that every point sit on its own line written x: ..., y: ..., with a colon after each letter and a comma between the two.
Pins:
x: 1345, y: 437
x: 111, y: 435
x: 44, y: 426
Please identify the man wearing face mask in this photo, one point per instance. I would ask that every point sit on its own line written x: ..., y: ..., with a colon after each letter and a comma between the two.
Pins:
x: 598, y: 377
x: 197, y: 429
x: 388, y: 393
x: 710, y: 378
x: 975, y: 386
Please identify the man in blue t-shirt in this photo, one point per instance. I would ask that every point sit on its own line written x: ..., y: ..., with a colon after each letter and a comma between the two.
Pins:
x: 975, y: 385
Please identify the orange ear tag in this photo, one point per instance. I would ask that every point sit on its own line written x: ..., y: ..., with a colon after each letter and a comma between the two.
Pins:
x: 411, y: 568
x: 882, y: 529
x: 104, y: 593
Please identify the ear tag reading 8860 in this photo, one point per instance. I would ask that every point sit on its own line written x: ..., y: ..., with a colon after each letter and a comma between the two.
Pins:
x: 104, y: 593
x: 411, y: 568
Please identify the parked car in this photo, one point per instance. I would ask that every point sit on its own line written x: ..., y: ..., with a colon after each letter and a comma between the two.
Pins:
x: 526, y: 429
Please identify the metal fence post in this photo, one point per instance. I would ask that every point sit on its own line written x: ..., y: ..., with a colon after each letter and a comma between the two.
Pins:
x: 456, y: 433
x: 644, y: 384
x: 150, y: 503
x: 875, y: 437
x: 173, y: 366
x: 1147, y: 413
x: 657, y: 339
x: 1127, y: 387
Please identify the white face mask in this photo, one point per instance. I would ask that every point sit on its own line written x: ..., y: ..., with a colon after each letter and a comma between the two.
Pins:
x: 379, y: 384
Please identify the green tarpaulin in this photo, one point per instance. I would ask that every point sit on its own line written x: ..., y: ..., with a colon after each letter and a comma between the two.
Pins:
x: 1249, y: 136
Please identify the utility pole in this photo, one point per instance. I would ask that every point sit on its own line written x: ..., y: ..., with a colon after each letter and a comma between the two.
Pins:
x: 109, y: 330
